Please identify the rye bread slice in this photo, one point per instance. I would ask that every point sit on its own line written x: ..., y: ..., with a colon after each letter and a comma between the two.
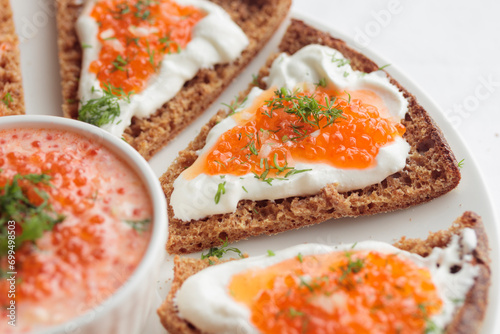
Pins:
x: 11, y: 84
x: 431, y: 171
x: 258, y: 19
x: 467, y: 320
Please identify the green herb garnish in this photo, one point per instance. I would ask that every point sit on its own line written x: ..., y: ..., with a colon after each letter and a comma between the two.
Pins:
x: 304, y: 283
x: 296, y: 171
x: 235, y: 104
x: 352, y: 267
x: 461, y: 163
x: 382, y: 67
x: 119, y: 64
x: 221, y: 190
x: 7, y: 99
x: 300, y: 258
x: 430, y: 325
x: 15, y: 205
x: 220, y: 251
x: 270, y: 253
x: 142, y: 9
x: 105, y: 109
x: 306, y: 108
x: 139, y: 225
x: 340, y: 61
x: 151, y: 54
x: 294, y: 313
x: 321, y: 83
x: 255, y: 79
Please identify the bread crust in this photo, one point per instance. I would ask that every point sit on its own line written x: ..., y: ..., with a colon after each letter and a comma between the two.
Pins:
x: 469, y: 317
x: 431, y: 171
x: 258, y: 19
x: 467, y: 320
x: 10, y: 67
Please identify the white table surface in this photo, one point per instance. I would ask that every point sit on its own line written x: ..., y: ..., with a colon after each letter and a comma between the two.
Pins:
x: 449, y: 48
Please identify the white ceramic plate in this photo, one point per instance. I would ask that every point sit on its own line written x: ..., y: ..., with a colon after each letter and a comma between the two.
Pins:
x: 36, y: 26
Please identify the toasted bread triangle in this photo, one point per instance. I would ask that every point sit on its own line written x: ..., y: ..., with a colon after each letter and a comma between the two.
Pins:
x: 258, y: 19
x: 467, y: 319
x: 431, y: 171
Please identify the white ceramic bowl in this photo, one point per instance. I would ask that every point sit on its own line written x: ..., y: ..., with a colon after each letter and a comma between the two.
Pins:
x: 128, y: 308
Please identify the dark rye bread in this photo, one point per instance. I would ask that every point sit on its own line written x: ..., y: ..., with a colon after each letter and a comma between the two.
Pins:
x: 257, y: 18
x: 467, y: 319
x: 431, y: 171
x: 11, y: 84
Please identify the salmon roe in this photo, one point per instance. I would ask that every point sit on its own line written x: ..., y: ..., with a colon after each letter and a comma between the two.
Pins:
x: 274, y: 139
x: 135, y: 35
x: 339, y: 292
x: 82, y: 260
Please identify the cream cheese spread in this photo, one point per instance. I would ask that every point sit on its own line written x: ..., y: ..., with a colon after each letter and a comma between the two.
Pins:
x: 215, y: 39
x: 194, y: 198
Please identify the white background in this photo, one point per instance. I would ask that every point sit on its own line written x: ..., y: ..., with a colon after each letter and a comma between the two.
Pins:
x: 451, y: 49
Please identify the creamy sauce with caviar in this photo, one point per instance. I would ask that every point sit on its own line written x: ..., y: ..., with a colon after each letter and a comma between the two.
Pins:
x: 82, y: 260
x: 314, y: 288
x: 319, y: 123
x: 144, y: 51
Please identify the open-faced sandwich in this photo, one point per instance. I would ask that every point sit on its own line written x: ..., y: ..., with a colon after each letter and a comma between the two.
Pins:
x: 145, y: 69
x: 437, y: 285
x: 322, y: 133
x: 11, y: 85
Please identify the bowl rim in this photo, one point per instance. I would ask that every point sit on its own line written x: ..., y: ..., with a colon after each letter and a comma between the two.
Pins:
x: 140, y: 166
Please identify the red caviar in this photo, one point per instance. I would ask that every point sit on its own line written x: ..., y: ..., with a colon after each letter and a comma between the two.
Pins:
x: 273, y: 140
x: 82, y: 260
x: 135, y: 35
x: 339, y: 292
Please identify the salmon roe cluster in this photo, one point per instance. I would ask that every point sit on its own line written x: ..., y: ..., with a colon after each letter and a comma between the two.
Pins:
x: 341, y: 132
x: 135, y: 35
x: 341, y: 292
x: 72, y: 257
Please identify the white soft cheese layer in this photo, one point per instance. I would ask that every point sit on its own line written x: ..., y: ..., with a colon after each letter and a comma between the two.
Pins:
x: 215, y: 39
x: 194, y: 199
x: 205, y: 302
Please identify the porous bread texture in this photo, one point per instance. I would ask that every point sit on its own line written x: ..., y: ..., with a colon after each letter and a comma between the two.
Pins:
x: 431, y: 171
x: 467, y: 320
x: 258, y: 19
x: 10, y: 67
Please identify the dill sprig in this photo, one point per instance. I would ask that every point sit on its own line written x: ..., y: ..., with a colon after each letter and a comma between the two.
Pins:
x: 151, y: 54
x: 321, y: 83
x: 15, y: 205
x: 306, y: 108
x: 340, y: 61
x: 105, y: 109
x: 139, y: 225
x: 142, y: 9
x: 384, y: 66
x: 235, y: 104
x: 7, y: 99
x: 220, y: 251
x: 352, y: 267
x: 264, y: 163
x: 119, y: 64
x: 221, y: 190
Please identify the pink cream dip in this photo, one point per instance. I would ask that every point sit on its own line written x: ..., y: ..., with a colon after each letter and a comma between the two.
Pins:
x: 83, y: 260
